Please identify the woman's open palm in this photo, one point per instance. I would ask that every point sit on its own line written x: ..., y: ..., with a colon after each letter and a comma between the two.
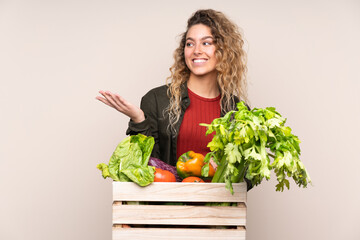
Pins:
x: 120, y: 104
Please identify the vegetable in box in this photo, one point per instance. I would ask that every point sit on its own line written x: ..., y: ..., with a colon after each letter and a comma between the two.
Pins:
x: 241, y: 145
x: 129, y: 161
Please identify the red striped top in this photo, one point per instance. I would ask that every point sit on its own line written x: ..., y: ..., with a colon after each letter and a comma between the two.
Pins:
x: 191, y: 134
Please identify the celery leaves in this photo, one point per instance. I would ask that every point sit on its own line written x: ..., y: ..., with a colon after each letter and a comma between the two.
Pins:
x: 242, y: 144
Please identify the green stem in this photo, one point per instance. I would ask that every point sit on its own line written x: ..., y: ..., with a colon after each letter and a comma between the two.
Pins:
x: 220, y: 171
x: 240, y: 177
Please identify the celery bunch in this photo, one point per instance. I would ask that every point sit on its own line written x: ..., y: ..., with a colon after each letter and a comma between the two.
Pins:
x: 242, y: 144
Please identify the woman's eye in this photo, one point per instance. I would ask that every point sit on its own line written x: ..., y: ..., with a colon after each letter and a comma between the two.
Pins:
x: 207, y: 43
x: 189, y: 44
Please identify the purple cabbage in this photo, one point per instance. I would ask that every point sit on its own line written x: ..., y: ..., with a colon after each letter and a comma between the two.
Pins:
x: 155, y: 162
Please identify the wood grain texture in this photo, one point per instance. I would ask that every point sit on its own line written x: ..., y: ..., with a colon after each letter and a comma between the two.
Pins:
x: 179, y: 215
x: 179, y: 192
x: 194, y: 220
x: 178, y: 234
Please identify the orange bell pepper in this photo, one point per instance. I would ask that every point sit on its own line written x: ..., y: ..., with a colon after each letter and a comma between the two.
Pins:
x: 190, y: 164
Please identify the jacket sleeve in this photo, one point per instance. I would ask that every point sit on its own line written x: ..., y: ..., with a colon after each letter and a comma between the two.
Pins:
x: 149, y: 126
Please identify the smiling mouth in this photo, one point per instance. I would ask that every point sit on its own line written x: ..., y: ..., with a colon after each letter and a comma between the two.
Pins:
x: 202, y: 60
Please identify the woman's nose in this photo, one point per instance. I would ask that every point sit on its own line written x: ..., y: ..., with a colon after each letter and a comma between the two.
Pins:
x: 198, y: 49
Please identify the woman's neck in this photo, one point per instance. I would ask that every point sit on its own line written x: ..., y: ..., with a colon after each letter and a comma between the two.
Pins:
x: 204, y: 86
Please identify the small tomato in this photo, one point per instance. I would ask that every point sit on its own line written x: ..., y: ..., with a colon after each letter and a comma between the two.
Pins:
x: 164, y: 176
x: 192, y: 179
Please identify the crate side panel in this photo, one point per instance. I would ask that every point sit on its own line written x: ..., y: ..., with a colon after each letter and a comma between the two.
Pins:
x: 178, y: 234
x: 179, y: 192
x: 179, y: 215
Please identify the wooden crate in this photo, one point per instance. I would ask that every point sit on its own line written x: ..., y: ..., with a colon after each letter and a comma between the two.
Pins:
x: 194, y: 220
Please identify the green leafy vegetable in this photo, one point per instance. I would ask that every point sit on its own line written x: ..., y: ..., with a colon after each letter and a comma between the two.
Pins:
x: 129, y: 161
x: 242, y: 142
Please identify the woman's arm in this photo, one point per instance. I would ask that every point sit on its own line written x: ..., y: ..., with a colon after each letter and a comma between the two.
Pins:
x: 142, y: 120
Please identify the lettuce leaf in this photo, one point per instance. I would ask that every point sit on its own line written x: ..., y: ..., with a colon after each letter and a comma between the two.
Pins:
x: 129, y: 162
x: 142, y: 175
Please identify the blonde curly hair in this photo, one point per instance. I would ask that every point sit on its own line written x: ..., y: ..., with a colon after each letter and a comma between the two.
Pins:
x: 231, y: 63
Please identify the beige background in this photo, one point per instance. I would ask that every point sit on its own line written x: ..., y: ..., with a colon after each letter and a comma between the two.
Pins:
x: 55, y: 56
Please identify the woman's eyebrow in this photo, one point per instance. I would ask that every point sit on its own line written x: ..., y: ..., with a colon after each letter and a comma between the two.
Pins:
x: 203, y: 38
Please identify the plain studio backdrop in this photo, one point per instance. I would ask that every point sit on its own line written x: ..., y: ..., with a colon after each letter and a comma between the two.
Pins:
x: 303, y: 59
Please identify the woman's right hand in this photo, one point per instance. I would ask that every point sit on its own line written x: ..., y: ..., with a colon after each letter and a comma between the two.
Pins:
x: 119, y: 103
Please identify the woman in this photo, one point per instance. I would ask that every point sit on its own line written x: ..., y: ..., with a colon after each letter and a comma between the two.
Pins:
x: 207, y: 79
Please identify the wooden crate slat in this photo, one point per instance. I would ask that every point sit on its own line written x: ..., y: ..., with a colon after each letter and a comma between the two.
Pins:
x: 179, y: 192
x: 179, y: 215
x: 177, y: 234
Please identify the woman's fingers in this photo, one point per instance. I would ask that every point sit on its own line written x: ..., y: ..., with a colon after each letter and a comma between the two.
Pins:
x: 104, y: 101
x: 104, y: 98
x: 110, y: 98
x: 107, y: 99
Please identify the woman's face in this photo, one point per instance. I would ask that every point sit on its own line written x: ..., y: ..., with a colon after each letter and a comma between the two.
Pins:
x: 200, y: 50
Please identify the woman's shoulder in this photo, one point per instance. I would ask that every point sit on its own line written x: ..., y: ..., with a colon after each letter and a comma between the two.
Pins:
x: 159, y: 89
x: 158, y: 92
